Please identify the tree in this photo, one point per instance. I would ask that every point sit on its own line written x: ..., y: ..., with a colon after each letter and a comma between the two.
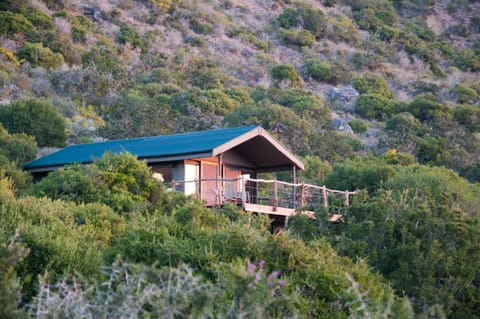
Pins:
x: 35, y: 117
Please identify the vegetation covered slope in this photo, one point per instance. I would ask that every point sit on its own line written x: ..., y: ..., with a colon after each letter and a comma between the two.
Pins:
x: 74, y: 71
x: 116, y: 69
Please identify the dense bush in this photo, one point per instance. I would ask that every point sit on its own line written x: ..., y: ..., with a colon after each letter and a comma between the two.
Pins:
x: 12, y: 23
x: 165, y: 5
x: 361, y: 173
x: 324, y: 71
x: 38, y: 55
x: 134, y: 115
x: 286, y: 73
x: 104, y: 58
x: 302, y: 38
x: 120, y: 181
x: 130, y: 35
x: 420, y: 220
x: 39, y: 19
x: 467, y: 60
x: 464, y: 94
x: 469, y: 116
x: 35, y: 117
x: 306, y: 17
x: 369, y: 15
x: 12, y: 252
x: 358, y: 126
x: 372, y: 84
x: 344, y: 29
x: 58, y: 43
x: 376, y: 106
x: 403, y: 130
x: 18, y: 148
x: 427, y: 108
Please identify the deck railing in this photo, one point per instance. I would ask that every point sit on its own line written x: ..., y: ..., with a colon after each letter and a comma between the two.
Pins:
x: 276, y: 195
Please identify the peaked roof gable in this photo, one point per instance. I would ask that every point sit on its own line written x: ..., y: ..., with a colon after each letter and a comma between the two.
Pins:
x: 161, y: 148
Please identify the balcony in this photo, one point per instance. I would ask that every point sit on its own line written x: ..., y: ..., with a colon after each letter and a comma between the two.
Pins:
x: 271, y: 197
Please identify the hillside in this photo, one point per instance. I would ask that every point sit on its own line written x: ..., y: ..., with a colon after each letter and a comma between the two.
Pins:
x: 117, y: 69
x: 378, y: 96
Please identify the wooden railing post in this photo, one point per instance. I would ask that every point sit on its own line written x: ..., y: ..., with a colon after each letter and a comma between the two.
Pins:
x: 325, y: 196
x: 275, y: 195
x: 347, y: 199
x: 302, y: 196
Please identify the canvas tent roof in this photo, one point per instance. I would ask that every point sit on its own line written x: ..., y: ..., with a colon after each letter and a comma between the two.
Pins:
x: 252, y: 141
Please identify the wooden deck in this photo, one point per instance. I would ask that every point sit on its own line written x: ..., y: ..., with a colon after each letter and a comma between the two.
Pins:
x: 272, y: 197
x: 266, y: 209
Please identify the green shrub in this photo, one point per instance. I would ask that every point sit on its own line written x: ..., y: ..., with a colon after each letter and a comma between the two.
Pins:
x: 361, y: 173
x: 81, y: 25
x: 427, y: 108
x: 104, y: 58
x: 369, y: 15
x: 306, y: 17
x: 19, y: 179
x: 321, y: 71
x: 289, y: 18
x: 38, y: 55
x: 39, y: 19
x: 35, y: 117
x: 469, y: 116
x: 286, y: 72
x: 201, y: 27
x: 366, y: 20
x: 463, y: 93
x: 55, y: 4
x: 421, y: 211
x: 315, y: 171
x: 297, y: 37
x: 9, y: 55
x: 394, y: 157
x: 376, y: 106
x: 119, y: 181
x: 372, y: 84
x: 344, y: 29
x: 358, y: 126
x: 12, y: 23
x: 467, y: 60
x: 131, y: 36
x: 387, y: 33
x: 12, y: 252
x: 58, y: 43
x: 207, y: 101
x: 325, y: 71
x: 18, y: 148
x: 165, y: 5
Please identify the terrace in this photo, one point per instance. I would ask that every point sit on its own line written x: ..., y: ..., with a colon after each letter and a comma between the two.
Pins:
x: 270, y: 197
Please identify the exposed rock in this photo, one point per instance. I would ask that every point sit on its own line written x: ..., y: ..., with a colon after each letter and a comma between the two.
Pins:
x: 344, y: 93
x: 345, y: 97
x: 341, y: 125
x: 93, y: 13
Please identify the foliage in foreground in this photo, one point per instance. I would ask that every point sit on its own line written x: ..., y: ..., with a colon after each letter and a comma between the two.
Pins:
x: 66, y: 238
x: 419, y: 226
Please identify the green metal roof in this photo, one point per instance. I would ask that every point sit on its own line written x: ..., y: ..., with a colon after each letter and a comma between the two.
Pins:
x: 155, y: 147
